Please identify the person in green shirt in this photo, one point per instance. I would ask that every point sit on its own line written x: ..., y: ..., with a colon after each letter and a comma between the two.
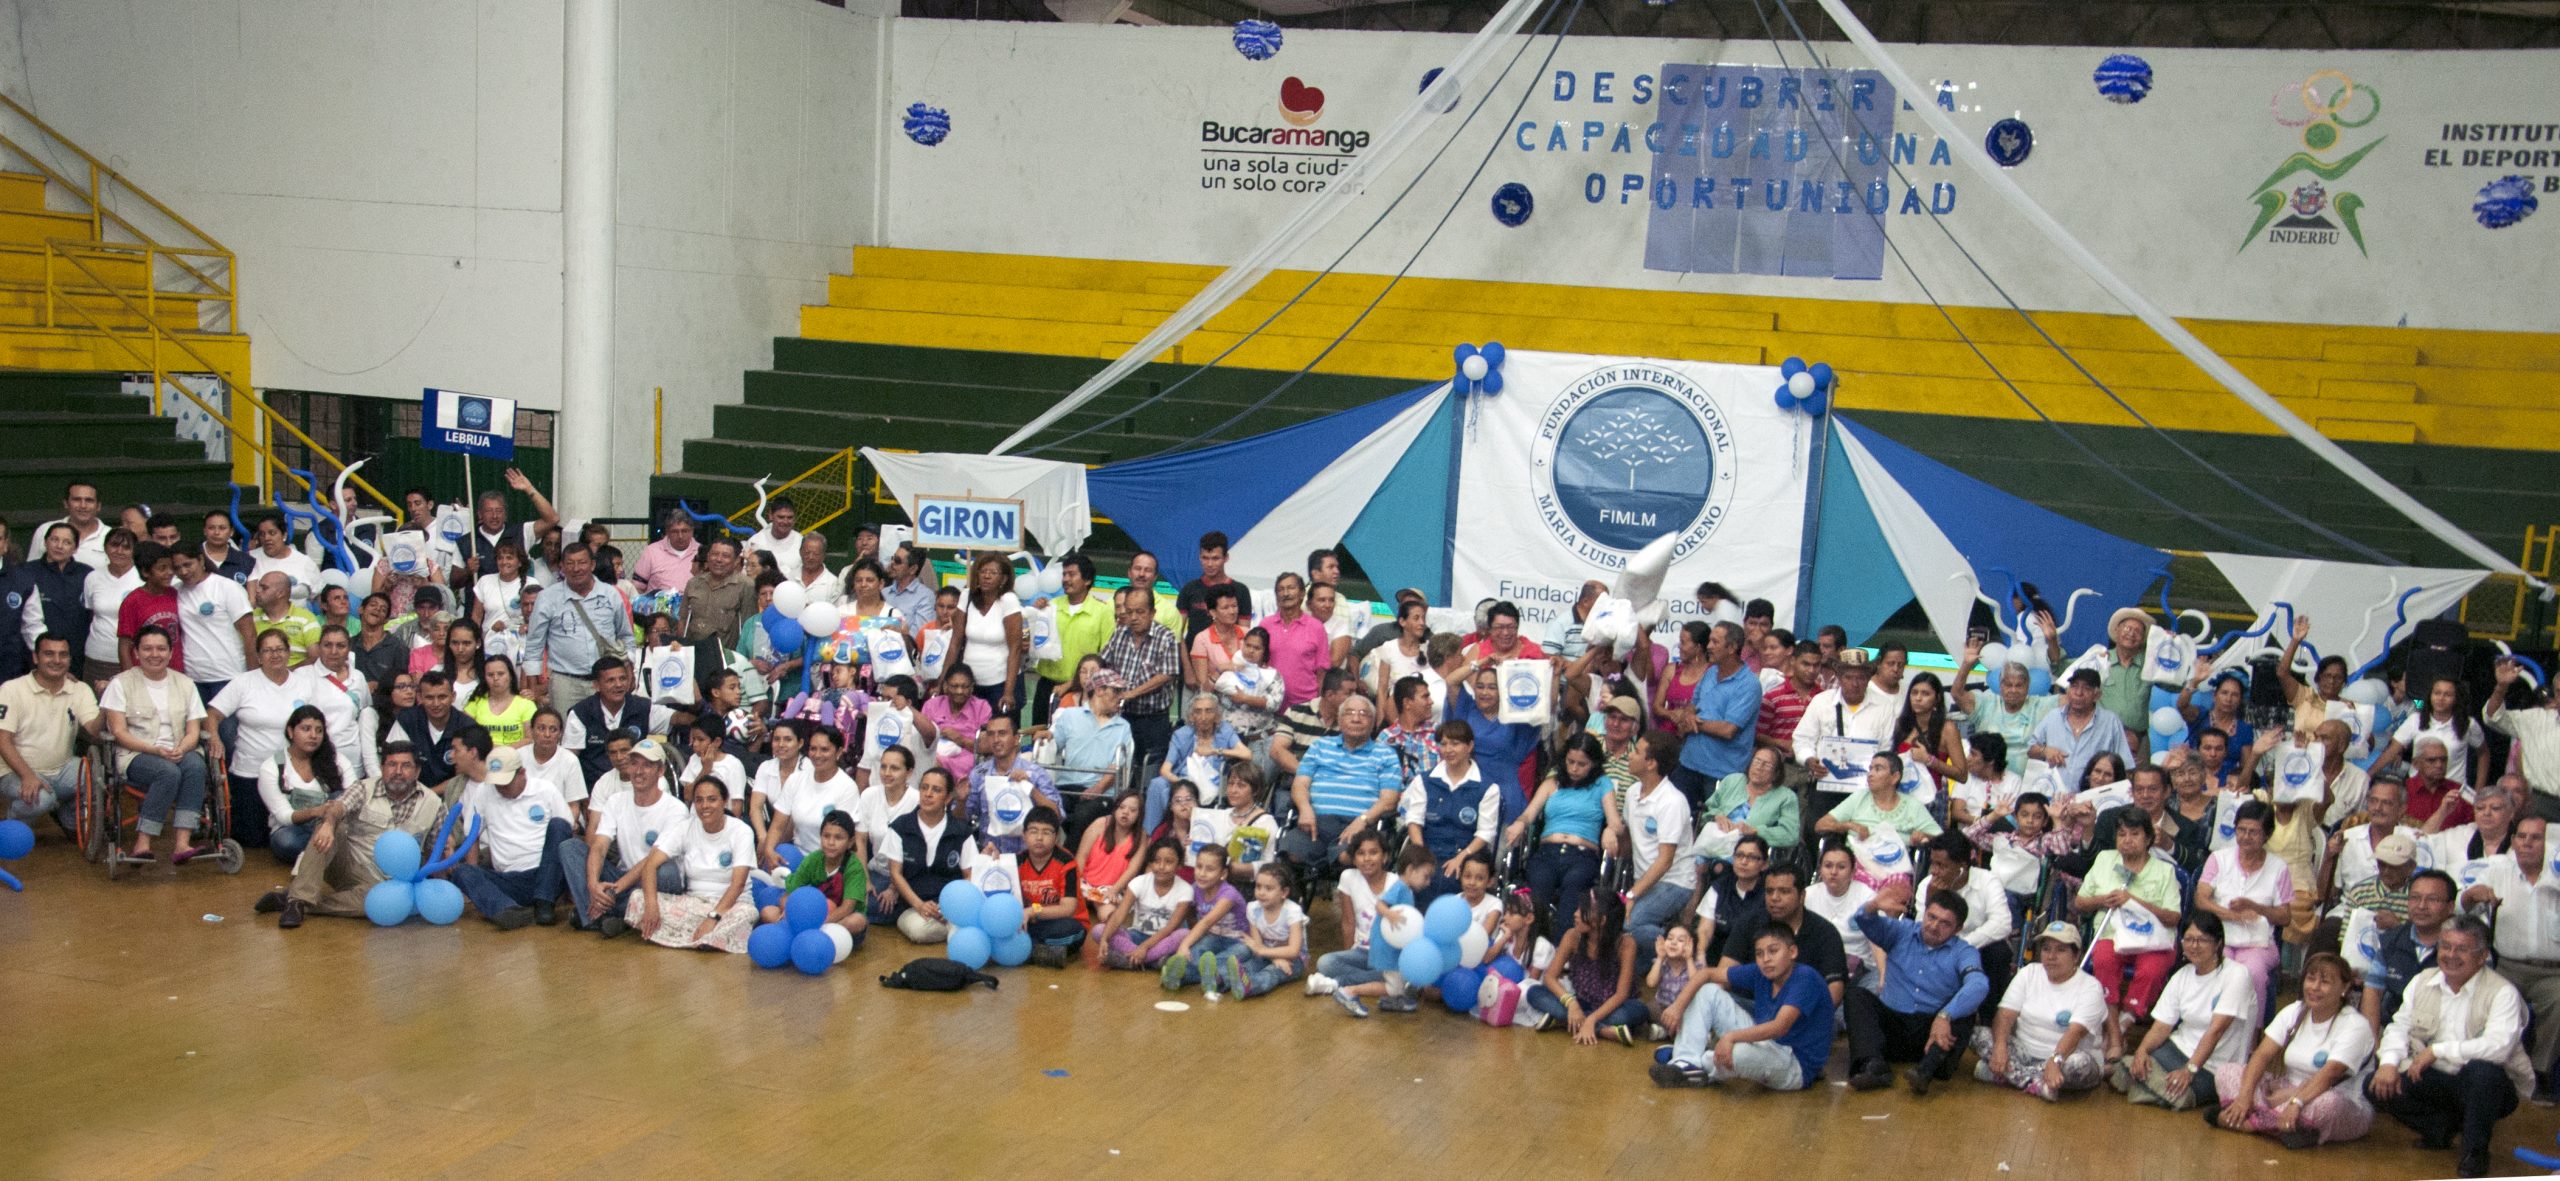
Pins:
x: 2012, y: 713
x: 271, y: 596
x: 2137, y: 934
x: 2124, y: 692
x: 1882, y: 810
x: 837, y: 873
x: 1084, y: 622
x: 1754, y: 802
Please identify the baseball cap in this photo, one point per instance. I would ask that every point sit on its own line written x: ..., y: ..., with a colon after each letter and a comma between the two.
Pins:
x: 505, y: 763
x: 1623, y: 704
x: 2087, y: 676
x: 2396, y: 849
x: 648, y: 748
x: 1107, y: 679
x: 2066, y: 933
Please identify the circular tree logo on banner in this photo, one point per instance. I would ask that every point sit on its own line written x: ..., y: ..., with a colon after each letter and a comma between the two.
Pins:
x: 1629, y: 453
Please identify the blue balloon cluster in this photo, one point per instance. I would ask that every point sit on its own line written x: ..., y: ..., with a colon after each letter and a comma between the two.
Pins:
x: 1435, y: 958
x: 410, y: 885
x: 927, y: 125
x: 1486, y: 365
x: 780, y: 630
x: 1448, y: 102
x: 16, y: 841
x: 1257, y: 40
x: 2505, y: 201
x: 985, y: 925
x: 1816, y: 388
x: 2123, y: 78
x: 801, y: 939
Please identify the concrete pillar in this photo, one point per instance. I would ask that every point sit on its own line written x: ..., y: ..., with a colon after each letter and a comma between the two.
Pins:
x: 582, y: 475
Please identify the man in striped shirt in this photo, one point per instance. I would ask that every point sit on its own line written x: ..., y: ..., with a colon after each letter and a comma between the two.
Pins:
x: 1344, y: 783
x: 1781, y: 708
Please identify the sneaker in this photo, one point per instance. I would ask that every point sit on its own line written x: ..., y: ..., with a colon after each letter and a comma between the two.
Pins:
x: 1049, y: 956
x: 1350, y: 1004
x: 1207, y: 966
x: 1175, y: 968
x: 1236, y: 982
x: 612, y: 926
x: 1402, y: 1002
x: 1114, y: 959
x: 1533, y: 1021
x: 2547, y: 1092
x: 1654, y: 1032
x: 545, y: 914
x: 270, y: 902
x: 1673, y: 1074
x: 1319, y: 984
x: 513, y: 918
x: 291, y: 916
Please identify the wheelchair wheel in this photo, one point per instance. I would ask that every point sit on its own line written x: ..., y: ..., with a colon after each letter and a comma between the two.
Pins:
x: 229, y: 855
x: 95, y: 811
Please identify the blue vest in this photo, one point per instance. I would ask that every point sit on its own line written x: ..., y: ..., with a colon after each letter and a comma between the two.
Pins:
x: 1449, y: 813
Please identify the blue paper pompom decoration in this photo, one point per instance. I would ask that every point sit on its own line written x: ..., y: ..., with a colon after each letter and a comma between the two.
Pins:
x: 927, y: 125
x: 1257, y: 40
x: 2123, y: 78
x: 1448, y: 102
x: 1512, y: 204
x: 2505, y: 201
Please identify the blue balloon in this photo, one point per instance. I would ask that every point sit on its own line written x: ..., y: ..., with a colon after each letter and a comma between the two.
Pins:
x: 1423, y: 962
x: 812, y: 952
x: 1446, y: 919
x: 770, y: 945
x: 1492, y: 383
x: 1382, y: 955
x: 1459, y: 988
x: 388, y: 903
x: 1492, y: 353
x: 1509, y: 969
x: 1815, y: 401
x: 16, y: 839
x: 790, y: 855
x: 1462, y: 352
x: 971, y: 946
x: 1790, y: 367
x: 1014, y: 950
x: 438, y: 901
x: 763, y: 894
x: 1821, y: 371
x: 1000, y: 915
x: 960, y: 902
x: 804, y: 909
x: 397, y: 853
x: 785, y: 635
x: 2039, y: 680
x: 1786, y: 398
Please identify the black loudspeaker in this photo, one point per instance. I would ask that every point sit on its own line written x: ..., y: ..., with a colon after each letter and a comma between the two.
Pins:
x: 2435, y: 652
x: 2267, y: 708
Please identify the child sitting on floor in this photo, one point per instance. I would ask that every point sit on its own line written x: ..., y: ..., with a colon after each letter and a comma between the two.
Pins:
x: 1675, y: 957
x: 1475, y: 885
x: 1275, y: 937
x: 1415, y: 868
x: 836, y: 874
x: 1053, y: 908
x: 1356, y: 899
x: 1590, y: 984
x: 1219, y: 930
x: 1153, y: 915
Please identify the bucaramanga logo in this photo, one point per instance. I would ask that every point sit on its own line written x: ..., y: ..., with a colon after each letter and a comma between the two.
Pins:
x: 1300, y: 104
x: 1627, y: 454
x: 2325, y: 110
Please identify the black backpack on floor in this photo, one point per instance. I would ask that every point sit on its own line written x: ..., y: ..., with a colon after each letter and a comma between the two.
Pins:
x: 937, y: 975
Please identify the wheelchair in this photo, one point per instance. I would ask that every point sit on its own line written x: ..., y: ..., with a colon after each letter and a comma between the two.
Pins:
x: 109, y: 809
x: 1083, y: 807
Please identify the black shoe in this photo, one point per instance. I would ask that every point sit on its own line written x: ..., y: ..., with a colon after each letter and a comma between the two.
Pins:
x: 2474, y: 1163
x: 1873, y: 1076
x: 545, y: 914
x: 1672, y: 1074
x: 2435, y: 1141
x: 291, y: 916
x: 2299, y: 1139
x: 513, y: 918
x: 612, y: 926
x: 270, y: 902
x: 1920, y: 1077
x: 1048, y: 956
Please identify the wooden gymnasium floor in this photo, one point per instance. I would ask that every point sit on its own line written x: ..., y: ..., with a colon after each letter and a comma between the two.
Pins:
x: 144, y: 1041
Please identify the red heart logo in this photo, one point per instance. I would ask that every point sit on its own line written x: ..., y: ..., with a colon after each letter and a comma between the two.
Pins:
x: 1301, y: 102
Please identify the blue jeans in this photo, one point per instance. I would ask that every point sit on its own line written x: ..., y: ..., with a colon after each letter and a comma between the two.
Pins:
x: 1265, y: 975
x: 1655, y: 913
x: 1629, y: 1012
x: 58, y: 793
x: 1348, y: 967
x: 1216, y: 945
x: 172, y: 793
x: 1066, y: 933
x: 492, y: 891
x: 287, y: 841
x: 1559, y: 875
x: 573, y: 856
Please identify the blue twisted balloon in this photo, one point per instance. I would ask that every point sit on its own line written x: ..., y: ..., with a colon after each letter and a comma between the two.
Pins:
x: 2399, y: 619
x: 239, y: 528
x: 334, y: 540
x: 714, y: 520
x: 441, y: 864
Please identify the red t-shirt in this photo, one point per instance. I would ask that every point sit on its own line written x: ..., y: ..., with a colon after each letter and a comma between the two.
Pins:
x: 145, y: 607
x: 2426, y: 795
x: 1780, y: 709
x: 1048, y: 885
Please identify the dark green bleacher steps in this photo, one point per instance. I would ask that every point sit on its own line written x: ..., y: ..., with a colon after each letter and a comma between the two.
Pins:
x: 63, y: 426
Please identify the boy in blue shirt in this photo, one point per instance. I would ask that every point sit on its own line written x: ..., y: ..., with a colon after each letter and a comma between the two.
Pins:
x: 1781, y: 1043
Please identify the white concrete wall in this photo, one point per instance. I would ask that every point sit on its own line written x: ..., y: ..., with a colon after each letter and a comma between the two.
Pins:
x: 389, y: 174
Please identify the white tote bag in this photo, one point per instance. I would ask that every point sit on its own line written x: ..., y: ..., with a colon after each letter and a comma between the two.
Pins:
x: 2017, y: 870
x: 1528, y: 692
x: 2297, y: 777
x: 670, y: 672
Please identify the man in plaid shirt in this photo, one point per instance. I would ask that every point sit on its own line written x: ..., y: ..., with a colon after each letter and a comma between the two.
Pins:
x: 1149, y: 657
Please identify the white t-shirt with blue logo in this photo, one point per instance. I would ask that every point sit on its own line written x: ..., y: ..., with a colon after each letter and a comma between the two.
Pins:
x: 633, y: 829
x: 709, y: 857
x: 2045, y: 1009
x: 2345, y: 1038
x: 513, y: 829
x: 1657, y: 818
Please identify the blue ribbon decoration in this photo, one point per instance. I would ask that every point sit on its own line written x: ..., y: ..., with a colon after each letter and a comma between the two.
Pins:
x: 2399, y: 619
x: 713, y: 520
x: 441, y: 864
x: 239, y: 528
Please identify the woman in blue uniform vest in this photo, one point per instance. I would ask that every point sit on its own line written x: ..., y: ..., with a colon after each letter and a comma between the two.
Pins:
x: 1452, y: 808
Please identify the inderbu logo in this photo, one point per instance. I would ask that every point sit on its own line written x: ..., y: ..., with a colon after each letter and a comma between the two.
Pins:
x: 1300, y: 104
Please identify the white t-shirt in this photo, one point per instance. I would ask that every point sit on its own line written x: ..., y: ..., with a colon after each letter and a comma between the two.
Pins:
x: 1981, y: 796
x: 1487, y: 912
x: 1840, y: 909
x: 985, y: 653
x: 513, y: 830
x: 1272, y: 927
x: 1354, y: 892
x: 875, y: 812
x: 636, y: 830
x: 500, y: 602
x: 710, y: 859
x: 807, y: 801
x: 2346, y: 1038
x: 297, y: 566
x: 279, y: 783
x: 347, y: 705
x: 2190, y: 1003
x: 262, y: 707
x: 208, y: 615
x: 2272, y: 884
x: 173, y: 699
x: 2046, y: 1009
x: 1153, y: 910
x: 783, y: 551
x: 727, y: 769
x: 2457, y: 748
x: 562, y: 770
x: 103, y: 594
x: 771, y: 783
x: 1657, y: 818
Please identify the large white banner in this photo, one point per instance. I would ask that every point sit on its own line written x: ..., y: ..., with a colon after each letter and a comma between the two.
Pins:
x: 1580, y: 461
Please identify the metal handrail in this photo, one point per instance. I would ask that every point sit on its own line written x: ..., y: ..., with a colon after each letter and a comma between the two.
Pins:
x: 99, y: 214
x: 845, y: 455
x: 159, y: 371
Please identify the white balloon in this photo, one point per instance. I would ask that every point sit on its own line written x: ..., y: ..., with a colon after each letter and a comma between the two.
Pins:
x: 1474, y: 367
x: 819, y: 619
x: 1403, y: 925
x: 789, y: 598
x: 843, y: 939
x: 1053, y: 580
x: 1801, y: 385
x: 1473, y: 945
x: 1995, y: 656
x: 2167, y: 720
x: 2367, y: 691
